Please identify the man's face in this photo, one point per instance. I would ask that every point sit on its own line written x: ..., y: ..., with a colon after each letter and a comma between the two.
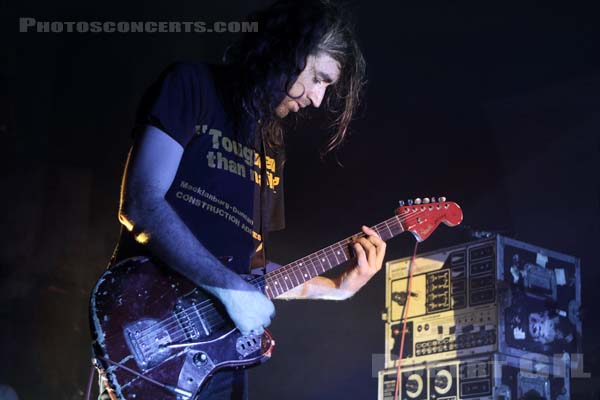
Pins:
x: 320, y: 72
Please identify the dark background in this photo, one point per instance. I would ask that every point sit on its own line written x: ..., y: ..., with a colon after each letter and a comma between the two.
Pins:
x: 494, y: 106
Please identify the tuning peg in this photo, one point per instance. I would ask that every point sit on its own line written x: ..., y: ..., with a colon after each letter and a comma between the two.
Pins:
x: 442, y: 199
x: 417, y: 201
x: 433, y: 200
x: 401, y: 202
x: 426, y: 200
x: 409, y: 202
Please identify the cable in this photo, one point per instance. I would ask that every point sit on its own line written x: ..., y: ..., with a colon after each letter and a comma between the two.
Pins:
x: 404, y: 317
x: 88, y: 393
x: 173, y: 389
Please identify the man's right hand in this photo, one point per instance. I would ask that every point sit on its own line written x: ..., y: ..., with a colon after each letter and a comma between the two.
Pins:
x: 250, y: 310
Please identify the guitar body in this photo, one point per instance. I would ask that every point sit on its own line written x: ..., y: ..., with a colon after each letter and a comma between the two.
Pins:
x: 156, y: 335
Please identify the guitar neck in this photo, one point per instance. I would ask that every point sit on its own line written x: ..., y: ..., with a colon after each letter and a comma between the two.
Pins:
x: 294, y: 274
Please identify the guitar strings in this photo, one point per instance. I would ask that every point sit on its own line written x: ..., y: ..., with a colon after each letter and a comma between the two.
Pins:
x: 207, y: 304
x: 208, y: 308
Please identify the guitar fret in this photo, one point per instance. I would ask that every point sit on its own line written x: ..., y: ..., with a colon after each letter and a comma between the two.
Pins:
x: 341, y: 251
x: 282, y: 284
x: 306, y: 274
x: 260, y: 284
x: 323, y: 257
x: 294, y: 267
x: 299, y: 269
x: 310, y: 264
x: 377, y: 230
x: 268, y: 289
x: 398, y: 224
x: 389, y: 229
x: 313, y: 266
x: 316, y: 260
x: 286, y: 279
x: 329, y: 253
x: 276, y: 285
x: 322, y: 260
x: 298, y: 273
x: 345, y: 249
x: 337, y: 260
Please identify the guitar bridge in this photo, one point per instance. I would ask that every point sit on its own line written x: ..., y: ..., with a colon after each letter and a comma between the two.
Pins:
x: 147, y: 341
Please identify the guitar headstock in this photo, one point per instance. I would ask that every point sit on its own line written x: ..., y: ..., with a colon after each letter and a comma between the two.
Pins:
x: 422, y: 216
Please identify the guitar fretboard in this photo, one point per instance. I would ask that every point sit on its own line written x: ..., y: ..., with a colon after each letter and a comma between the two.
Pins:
x: 294, y: 274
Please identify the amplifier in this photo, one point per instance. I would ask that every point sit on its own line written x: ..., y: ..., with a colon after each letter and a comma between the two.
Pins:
x: 492, y: 295
x: 492, y: 376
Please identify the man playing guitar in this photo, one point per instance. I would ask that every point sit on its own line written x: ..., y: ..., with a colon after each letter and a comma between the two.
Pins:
x: 203, y: 183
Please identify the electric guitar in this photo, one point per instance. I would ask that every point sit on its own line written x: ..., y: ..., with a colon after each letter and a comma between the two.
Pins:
x: 157, y: 335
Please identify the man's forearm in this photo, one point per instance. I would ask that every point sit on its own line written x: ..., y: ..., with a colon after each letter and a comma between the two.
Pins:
x: 157, y: 225
x: 318, y: 288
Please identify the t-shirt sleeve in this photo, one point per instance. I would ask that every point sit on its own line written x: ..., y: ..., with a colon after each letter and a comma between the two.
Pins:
x: 173, y: 103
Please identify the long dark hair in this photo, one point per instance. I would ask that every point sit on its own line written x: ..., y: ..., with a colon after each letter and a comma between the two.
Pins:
x: 270, y: 60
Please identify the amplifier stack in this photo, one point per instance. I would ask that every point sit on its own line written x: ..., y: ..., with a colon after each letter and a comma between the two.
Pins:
x: 493, y: 376
x: 499, y: 302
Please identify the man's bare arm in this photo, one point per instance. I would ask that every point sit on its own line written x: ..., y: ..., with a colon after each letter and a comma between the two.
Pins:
x: 318, y: 288
x: 150, y: 170
x: 370, y: 252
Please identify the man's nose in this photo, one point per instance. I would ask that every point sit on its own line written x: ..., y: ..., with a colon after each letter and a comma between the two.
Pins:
x: 316, y: 96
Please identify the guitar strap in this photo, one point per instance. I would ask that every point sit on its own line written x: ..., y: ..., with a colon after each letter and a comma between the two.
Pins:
x: 261, y: 200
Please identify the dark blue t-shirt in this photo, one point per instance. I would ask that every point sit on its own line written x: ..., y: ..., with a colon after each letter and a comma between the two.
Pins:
x: 218, y: 184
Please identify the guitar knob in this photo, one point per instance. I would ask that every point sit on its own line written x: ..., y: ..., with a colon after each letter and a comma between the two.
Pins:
x: 200, y: 359
x: 417, y: 201
x: 425, y: 200
x: 401, y: 202
x: 442, y: 199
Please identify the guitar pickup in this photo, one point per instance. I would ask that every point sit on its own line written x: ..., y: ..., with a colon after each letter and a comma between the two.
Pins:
x: 185, y: 322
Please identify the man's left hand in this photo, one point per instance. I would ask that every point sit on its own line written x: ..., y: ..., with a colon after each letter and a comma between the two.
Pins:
x: 370, y: 251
